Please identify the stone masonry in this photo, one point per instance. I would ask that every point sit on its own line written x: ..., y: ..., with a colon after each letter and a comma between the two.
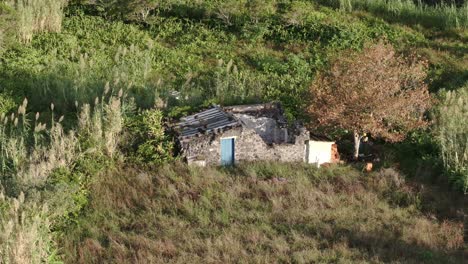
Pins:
x: 263, y: 136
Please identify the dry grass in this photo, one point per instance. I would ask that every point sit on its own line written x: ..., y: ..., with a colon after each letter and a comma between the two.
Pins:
x: 193, y: 215
x: 24, y: 236
x: 35, y: 16
x: 99, y: 127
x: 34, y: 208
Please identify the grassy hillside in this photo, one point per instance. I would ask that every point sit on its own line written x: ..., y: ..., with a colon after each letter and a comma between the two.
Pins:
x: 261, y: 213
x: 88, y: 173
x: 270, y: 57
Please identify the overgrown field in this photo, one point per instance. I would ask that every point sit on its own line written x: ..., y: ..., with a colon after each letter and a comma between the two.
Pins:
x: 89, y: 172
x: 261, y: 213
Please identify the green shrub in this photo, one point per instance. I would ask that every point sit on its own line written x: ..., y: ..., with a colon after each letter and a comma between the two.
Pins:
x: 7, y: 103
x: 148, y: 142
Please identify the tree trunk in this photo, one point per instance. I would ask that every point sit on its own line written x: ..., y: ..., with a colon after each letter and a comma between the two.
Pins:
x: 357, y: 142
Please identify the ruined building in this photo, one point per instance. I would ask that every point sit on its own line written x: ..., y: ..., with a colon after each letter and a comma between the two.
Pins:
x: 246, y: 133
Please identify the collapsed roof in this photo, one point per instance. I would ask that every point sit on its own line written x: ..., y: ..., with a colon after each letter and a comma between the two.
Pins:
x: 211, y: 121
x: 217, y: 119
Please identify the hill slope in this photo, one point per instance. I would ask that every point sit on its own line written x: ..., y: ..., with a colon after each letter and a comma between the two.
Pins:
x: 86, y: 175
x: 261, y: 213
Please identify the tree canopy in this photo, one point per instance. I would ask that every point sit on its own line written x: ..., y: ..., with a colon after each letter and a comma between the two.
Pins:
x: 375, y: 91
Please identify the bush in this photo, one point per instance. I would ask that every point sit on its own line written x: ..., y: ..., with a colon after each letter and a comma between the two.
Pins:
x: 7, y: 103
x: 148, y: 143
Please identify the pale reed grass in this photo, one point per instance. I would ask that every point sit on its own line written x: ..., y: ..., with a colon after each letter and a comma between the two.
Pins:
x: 35, y: 16
x: 452, y: 131
x: 29, y: 155
x: 24, y: 231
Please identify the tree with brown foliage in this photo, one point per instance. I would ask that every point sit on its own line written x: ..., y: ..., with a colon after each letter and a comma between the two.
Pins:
x: 375, y: 91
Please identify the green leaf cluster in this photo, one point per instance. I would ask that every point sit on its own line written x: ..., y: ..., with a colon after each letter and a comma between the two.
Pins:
x: 148, y: 142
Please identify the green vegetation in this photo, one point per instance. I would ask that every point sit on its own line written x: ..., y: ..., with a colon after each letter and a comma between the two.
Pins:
x: 148, y: 140
x: 452, y: 131
x: 88, y: 172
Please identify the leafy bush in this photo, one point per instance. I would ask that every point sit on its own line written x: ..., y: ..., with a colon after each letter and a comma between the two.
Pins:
x: 364, y: 93
x: 7, y: 103
x: 148, y: 142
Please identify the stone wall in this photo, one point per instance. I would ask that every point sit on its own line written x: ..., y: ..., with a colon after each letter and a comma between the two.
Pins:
x: 267, y: 128
x: 249, y: 146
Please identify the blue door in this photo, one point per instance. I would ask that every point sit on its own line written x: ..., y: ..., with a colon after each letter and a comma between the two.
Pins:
x: 227, y: 151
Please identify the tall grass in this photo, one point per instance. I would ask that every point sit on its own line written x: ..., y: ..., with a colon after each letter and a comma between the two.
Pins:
x: 452, y: 131
x: 6, y: 25
x: 408, y: 11
x: 35, y: 16
x: 37, y: 194
x: 232, y: 86
x: 30, y: 150
x: 24, y: 232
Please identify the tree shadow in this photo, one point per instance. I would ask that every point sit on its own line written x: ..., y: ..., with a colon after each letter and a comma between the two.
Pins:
x: 456, y: 50
x: 384, y: 245
x: 389, y: 247
x: 412, y: 18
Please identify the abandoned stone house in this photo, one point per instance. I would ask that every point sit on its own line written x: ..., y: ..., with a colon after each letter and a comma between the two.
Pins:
x: 247, y: 133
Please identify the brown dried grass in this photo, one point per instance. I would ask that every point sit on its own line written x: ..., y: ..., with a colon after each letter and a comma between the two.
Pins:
x: 193, y: 215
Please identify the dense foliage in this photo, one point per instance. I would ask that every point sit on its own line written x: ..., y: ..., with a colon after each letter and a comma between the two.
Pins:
x: 149, y: 143
x: 101, y: 79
